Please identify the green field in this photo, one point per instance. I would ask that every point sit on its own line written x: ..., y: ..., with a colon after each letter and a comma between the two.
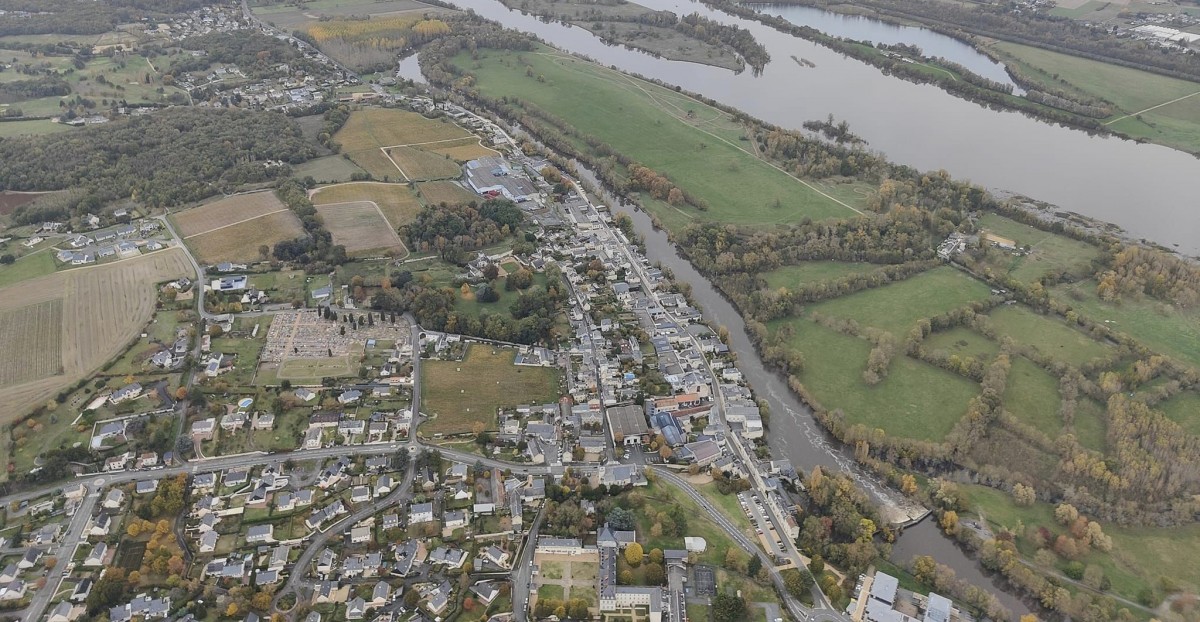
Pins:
x: 1159, y: 326
x: 329, y: 169
x: 458, y: 394
x: 896, y: 308
x: 1140, y: 555
x: 1090, y: 429
x: 30, y: 266
x: 1032, y: 396
x: 1048, y: 335
x: 1129, y: 90
x: 963, y: 342
x: 1183, y: 409
x: 813, y: 272
x: 916, y: 400
x: 9, y: 129
x: 693, y: 144
x: 1050, y: 252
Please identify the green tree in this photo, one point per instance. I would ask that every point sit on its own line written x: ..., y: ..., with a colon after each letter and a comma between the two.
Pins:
x: 728, y: 608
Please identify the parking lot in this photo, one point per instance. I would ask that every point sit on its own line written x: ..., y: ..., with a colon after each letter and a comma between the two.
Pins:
x: 762, y: 525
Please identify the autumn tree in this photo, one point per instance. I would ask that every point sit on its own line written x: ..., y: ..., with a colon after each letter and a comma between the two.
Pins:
x: 634, y: 554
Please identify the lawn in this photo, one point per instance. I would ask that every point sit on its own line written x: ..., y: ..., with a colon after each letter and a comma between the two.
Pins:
x: 916, y: 400
x: 659, y: 496
x: 1048, y: 335
x: 1050, y: 252
x: 728, y: 504
x: 438, y: 192
x: 1159, y: 326
x: 963, y: 342
x: 814, y: 272
x: 896, y: 308
x: 398, y: 203
x: 1183, y: 409
x: 554, y: 592
x: 1031, y: 395
x: 1129, y: 90
x: 658, y: 128
x: 458, y: 394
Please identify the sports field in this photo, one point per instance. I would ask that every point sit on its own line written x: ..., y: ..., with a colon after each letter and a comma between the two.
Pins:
x: 697, y: 146
x: 403, y: 145
x: 896, y: 308
x: 99, y: 311
x: 458, y: 394
x: 32, y: 336
x: 438, y: 192
x: 398, y: 203
x: 361, y: 228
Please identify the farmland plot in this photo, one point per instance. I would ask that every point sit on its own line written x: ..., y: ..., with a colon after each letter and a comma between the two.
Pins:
x: 360, y: 227
x: 226, y: 212
x: 32, y: 336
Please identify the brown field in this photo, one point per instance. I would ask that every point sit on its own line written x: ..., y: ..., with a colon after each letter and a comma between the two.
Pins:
x: 241, y: 241
x: 32, y: 336
x: 412, y: 139
x: 226, y: 212
x: 457, y: 394
x: 361, y: 227
x: 461, y: 150
x: 438, y: 192
x: 10, y: 201
x: 418, y: 165
x: 101, y: 310
x: 397, y: 202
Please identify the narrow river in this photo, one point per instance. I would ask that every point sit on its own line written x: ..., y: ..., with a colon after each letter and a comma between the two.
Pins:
x: 794, y: 434
x: 863, y: 28
x: 1148, y: 190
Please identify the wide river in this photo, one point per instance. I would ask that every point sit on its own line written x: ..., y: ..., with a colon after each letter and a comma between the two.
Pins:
x: 1150, y: 191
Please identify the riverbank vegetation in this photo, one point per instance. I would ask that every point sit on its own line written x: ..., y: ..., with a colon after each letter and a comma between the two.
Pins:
x: 985, y: 368
x: 692, y: 38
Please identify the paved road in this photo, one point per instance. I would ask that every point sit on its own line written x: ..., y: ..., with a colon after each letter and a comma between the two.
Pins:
x: 522, y: 573
x: 65, y: 552
x: 299, y: 571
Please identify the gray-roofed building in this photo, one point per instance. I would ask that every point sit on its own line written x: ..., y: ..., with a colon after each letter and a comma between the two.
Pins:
x: 627, y: 424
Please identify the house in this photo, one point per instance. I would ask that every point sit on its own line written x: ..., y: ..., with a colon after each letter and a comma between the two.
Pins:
x: 360, y: 494
x: 204, y: 481
x: 260, y: 533
x: 146, y: 486
x: 97, y: 555
x: 348, y: 397
x: 114, y: 499
x: 65, y: 612
x: 111, y: 429
x: 306, y: 394
x: 487, y: 591
x: 455, y: 519
x: 100, y: 525
x: 445, y: 556
x: 384, y: 485
x: 420, y: 513
x: 229, y: 283
x: 266, y: 577
x: 13, y: 591
x: 81, y: 591
x: 356, y: 609
x: 390, y: 521
x: 312, y: 438
x: 208, y: 541
x: 127, y: 392
x: 233, y: 421
x: 360, y: 534
x: 264, y: 421
x: 279, y: 557
x: 237, y: 477
x: 203, y: 430
x: 497, y: 556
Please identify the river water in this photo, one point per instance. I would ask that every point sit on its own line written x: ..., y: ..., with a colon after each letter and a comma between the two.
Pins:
x: 1149, y: 190
x: 863, y: 28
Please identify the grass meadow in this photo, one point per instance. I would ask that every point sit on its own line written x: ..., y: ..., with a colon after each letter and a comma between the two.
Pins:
x: 896, y: 308
x: 461, y: 393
